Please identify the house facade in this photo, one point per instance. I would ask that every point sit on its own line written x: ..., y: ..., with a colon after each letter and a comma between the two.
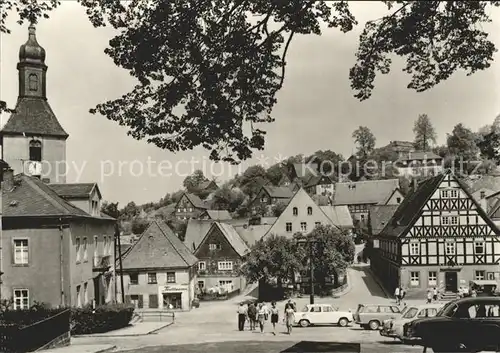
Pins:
x: 320, y: 185
x: 419, y: 164
x: 54, y: 250
x: 159, y: 271
x: 439, y: 237
x: 216, y: 215
x: 269, y: 196
x: 189, y: 206
x: 220, y: 255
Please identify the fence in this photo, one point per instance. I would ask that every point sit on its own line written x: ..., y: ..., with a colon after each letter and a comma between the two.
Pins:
x: 15, y: 339
x: 154, y: 315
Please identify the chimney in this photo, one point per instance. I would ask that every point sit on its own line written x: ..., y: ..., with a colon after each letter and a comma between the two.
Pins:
x: 8, y: 179
x: 483, y: 194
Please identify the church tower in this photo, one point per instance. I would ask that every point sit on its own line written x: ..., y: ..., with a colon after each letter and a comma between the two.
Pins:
x: 33, y: 142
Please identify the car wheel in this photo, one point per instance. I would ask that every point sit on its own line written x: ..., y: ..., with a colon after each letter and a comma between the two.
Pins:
x: 304, y: 323
x: 343, y: 322
x: 374, y: 325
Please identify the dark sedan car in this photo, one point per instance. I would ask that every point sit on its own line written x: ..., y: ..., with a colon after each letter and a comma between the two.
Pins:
x: 463, y: 325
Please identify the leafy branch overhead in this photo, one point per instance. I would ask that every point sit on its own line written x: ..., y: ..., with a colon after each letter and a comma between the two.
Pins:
x: 208, y: 70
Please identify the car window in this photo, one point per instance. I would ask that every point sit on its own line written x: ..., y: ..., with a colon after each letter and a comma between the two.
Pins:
x: 315, y: 309
x: 410, y: 314
x: 422, y: 313
x: 370, y: 309
x: 327, y: 309
x: 395, y: 309
x: 431, y: 312
x: 493, y: 311
x: 385, y: 310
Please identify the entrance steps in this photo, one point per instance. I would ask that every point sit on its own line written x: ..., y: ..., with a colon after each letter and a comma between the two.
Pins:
x: 447, y: 296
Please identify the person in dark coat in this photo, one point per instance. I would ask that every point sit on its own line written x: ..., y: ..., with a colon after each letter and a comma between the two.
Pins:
x: 252, y: 316
x: 242, y: 315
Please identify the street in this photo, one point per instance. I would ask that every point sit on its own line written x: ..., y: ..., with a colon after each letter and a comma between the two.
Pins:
x: 216, y: 322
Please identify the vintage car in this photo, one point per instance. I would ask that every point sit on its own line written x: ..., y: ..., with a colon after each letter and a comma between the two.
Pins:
x: 322, y: 314
x: 482, y: 288
x: 394, y: 327
x: 467, y: 324
x: 371, y: 316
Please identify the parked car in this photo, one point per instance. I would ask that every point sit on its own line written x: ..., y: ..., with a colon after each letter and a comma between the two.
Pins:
x: 467, y: 324
x: 482, y: 288
x: 322, y: 314
x: 371, y: 316
x: 394, y: 327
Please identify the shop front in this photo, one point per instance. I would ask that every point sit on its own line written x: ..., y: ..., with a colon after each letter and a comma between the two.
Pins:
x: 175, y: 297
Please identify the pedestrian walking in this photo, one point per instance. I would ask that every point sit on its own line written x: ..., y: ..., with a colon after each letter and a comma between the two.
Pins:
x: 429, y: 296
x: 402, y: 294
x: 397, y: 294
x: 289, y: 304
x: 261, y: 315
x: 266, y: 311
x: 252, y: 316
x: 242, y: 315
x: 435, y: 294
x: 289, y: 319
x: 274, y: 316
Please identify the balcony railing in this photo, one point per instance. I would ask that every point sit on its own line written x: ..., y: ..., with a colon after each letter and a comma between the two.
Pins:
x: 102, y: 263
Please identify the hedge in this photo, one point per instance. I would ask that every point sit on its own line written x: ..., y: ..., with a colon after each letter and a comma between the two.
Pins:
x: 101, y: 319
x: 23, y: 318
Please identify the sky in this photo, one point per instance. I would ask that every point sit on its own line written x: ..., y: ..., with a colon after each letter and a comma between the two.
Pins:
x: 316, y: 109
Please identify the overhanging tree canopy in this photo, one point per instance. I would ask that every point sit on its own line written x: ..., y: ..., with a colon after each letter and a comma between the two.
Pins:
x: 209, y: 70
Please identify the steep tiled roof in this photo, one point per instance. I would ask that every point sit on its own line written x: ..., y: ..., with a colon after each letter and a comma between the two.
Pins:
x: 491, y: 182
x: 380, y: 215
x: 316, y: 179
x: 35, y: 117
x: 32, y: 197
x: 321, y: 200
x: 338, y: 215
x: 195, y: 200
x: 195, y: 232
x: 279, y: 192
x: 219, y: 215
x: 252, y: 234
x: 364, y: 192
x: 158, y: 247
x: 233, y: 238
x: 75, y: 190
x: 205, y: 184
x: 411, y: 207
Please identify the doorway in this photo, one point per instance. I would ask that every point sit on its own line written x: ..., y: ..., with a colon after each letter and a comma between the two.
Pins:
x: 172, y: 300
x: 450, y: 281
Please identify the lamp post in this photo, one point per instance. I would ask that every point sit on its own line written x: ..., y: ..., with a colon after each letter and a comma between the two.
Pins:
x: 311, y: 242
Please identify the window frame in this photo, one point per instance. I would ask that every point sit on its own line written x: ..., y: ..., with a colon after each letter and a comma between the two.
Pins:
x: 412, y: 244
x: 483, y: 276
x: 303, y: 226
x: 432, y: 282
x: 450, y: 221
x: 483, y: 246
x: 78, y: 246
x: 152, y: 278
x: 227, y: 265
x: 85, y: 256
x: 35, y: 145
x: 134, y: 281
x: 21, y: 307
x: 204, y: 266
x: 450, y: 245
x: 288, y: 229
x: 417, y: 278
x: 25, y: 262
x: 295, y: 211
x: 309, y: 210
x: 170, y: 275
x: 78, y: 296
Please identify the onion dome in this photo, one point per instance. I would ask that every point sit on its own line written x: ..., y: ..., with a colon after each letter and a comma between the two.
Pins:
x: 31, y: 51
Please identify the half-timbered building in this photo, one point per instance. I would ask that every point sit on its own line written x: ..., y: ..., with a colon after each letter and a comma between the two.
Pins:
x: 438, y: 237
x: 189, y: 206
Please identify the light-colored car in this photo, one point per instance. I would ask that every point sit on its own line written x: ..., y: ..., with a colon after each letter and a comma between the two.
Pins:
x: 395, y: 327
x: 371, y: 316
x: 322, y: 314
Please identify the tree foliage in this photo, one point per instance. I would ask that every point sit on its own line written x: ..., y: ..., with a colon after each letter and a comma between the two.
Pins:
x: 217, y: 86
x: 111, y: 209
x: 253, y: 179
x: 227, y: 198
x: 365, y: 140
x: 462, y: 142
x: 278, y: 208
x: 424, y: 133
x: 192, y: 182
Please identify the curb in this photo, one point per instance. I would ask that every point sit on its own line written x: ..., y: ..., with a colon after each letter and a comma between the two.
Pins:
x: 346, y: 290
x: 125, y: 335
x: 376, y: 279
x: 105, y: 350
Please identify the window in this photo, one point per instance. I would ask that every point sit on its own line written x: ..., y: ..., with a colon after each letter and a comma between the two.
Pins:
x: 309, y: 210
x: 35, y: 151
x: 105, y: 246
x: 21, y: 252
x: 315, y: 309
x: 432, y: 278
x: 202, y: 266
x: 450, y: 248
x: 78, y: 296
x: 453, y: 193
x: 295, y: 211
x: 263, y: 199
x: 96, y: 242
x: 449, y: 193
x: 398, y: 199
x: 228, y: 285
x: 170, y: 277
x: 327, y: 309
x: 214, y: 246
x: 225, y: 265
x: 479, y: 275
x: 85, y: 294
x: 414, y: 249
x: 288, y: 227
x: 85, y: 255
x: 134, y: 278
x: 317, y: 224
x: 77, y: 249
x: 179, y: 210
x: 386, y: 309
x: 479, y: 247
x: 33, y: 82
x: 21, y: 299
x: 152, y: 278
x: 303, y: 226
x: 449, y: 220
x: 190, y: 209
x: 415, y: 278
x: 201, y: 285
x: 410, y: 314
x: 185, y: 209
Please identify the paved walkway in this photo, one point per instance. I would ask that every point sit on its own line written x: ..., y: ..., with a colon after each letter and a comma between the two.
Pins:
x: 89, y: 348
x: 137, y: 329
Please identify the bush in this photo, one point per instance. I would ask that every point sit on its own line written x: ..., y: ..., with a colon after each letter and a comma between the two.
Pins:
x: 23, y: 318
x: 103, y: 319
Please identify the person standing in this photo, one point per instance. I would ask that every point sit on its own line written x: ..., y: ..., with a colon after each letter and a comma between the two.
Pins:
x: 242, y: 314
x: 289, y: 319
x: 397, y: 294
x: 402, y: 294
x: 252, y: 315
x: 435, y: 294
x: 261, y: 312
x: 429, y: 296
x: 274, y: 316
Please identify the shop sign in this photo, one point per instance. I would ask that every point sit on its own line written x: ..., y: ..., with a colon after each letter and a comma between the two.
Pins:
x: 175, y: 288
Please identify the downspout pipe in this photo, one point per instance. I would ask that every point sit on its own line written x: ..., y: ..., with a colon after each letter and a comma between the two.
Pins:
x: 61, y: 261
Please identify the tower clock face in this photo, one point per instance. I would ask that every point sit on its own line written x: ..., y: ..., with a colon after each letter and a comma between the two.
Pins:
x: 34, y: 168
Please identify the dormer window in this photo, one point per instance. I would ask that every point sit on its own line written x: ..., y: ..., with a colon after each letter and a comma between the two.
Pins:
x: 295, y: 211
x: 35, y: 151
x: 33, y: 82
x: 309, y: 210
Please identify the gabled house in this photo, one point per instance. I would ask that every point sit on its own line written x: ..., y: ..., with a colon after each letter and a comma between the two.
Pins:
x: 189, y: 206
x: 358, y: 196
x: 85, y: 196
x: 208, y: 186
x: 220, y: 255
x: 301, y: 214
x: 419, y: 164
x: 438, y: 237
x: 216, y: 215
x: 159, y: 271
x: 378, y: 217
x: 270, y: 195
x: 320, y: 185
x: 340, y: 217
